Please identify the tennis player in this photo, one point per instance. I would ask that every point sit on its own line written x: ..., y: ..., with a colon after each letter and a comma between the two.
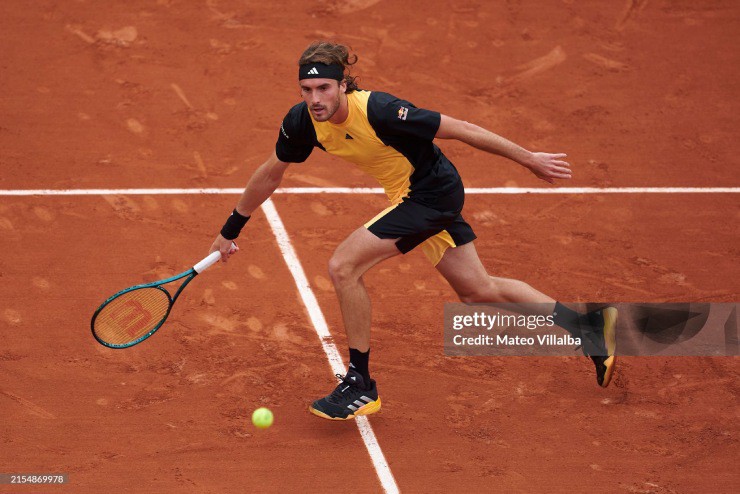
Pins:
x: 392, y: 140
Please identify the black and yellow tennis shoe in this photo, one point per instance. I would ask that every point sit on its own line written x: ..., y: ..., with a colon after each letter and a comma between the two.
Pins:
x: 600, y: 343
x: 351, y: 398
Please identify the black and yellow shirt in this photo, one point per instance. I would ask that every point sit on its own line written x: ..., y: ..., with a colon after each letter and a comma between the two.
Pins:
x: 385, y: 136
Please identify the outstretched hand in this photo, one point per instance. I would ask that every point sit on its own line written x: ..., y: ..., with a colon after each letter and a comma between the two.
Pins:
x: 548, y: 166
x: 226, y: 247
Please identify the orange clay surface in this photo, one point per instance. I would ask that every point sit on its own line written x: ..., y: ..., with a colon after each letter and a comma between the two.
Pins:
x: 168, y: 93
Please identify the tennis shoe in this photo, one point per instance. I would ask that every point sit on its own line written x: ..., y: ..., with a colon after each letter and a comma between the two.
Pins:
x: 351, y: 398
x: 600, y: 343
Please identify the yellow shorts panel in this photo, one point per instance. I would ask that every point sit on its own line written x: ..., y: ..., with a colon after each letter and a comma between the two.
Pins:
x: 434, y: 247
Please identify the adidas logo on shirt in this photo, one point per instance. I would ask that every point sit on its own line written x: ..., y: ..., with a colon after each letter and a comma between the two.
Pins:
x: 313, y: 71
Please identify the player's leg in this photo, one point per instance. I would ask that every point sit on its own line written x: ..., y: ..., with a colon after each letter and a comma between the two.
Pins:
x: 358, y: 253
x: 397, y: 229
x: 357, y: 394
x: 465, y: 273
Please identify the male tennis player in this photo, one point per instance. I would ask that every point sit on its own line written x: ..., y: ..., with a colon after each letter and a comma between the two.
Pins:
x: 392, y: 140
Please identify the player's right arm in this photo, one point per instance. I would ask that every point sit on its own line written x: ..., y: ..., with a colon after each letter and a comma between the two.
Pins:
x: 260, y: 187
x: 296, y: 140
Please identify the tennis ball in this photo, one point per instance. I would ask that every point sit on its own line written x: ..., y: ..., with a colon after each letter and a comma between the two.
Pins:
x: 262, y: 418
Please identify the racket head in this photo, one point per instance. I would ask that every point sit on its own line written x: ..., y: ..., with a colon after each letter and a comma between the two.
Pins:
x: 131, y: 316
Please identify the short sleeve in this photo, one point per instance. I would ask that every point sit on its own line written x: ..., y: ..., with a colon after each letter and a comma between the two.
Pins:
x: 390, y: 115
x: 295, y: 142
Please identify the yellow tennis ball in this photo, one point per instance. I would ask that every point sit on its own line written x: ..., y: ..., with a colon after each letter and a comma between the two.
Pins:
x: 262, y: 418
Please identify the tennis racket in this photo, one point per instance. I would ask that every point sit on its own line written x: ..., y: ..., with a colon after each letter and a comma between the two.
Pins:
x: 134, y: 314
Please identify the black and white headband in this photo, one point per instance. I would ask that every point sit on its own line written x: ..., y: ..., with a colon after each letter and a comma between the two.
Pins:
x: 320, y: 70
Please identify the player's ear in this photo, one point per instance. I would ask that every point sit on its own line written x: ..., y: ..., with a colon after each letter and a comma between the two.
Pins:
x: 343, y: 87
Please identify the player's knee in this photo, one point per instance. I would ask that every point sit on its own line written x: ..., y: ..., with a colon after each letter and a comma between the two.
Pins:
x: 341, y: 271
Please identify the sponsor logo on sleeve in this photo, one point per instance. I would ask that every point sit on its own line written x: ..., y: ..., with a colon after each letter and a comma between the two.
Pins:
x: 403, y: 113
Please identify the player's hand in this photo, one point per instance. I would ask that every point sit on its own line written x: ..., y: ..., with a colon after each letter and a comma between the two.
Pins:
x: 549, y: 167
x: 226, y: 247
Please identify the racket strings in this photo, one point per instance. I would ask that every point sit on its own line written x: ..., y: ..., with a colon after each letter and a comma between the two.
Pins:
x: 131, y: 315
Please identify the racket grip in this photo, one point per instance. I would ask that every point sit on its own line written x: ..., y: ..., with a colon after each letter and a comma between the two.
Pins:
x: 209, y: 261
x: 206, y: 263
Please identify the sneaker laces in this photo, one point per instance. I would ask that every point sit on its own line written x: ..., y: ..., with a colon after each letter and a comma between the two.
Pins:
x: 344, y: 386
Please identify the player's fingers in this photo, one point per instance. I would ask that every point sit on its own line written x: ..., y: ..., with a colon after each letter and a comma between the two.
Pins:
x: 562, y: 163
x: 558, y: 156
x: 560, y: 169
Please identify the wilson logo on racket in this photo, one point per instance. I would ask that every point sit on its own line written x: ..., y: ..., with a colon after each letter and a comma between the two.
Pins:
x: 137, y: 313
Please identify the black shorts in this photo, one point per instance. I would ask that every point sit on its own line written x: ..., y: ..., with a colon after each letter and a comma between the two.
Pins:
x: 434, y: 228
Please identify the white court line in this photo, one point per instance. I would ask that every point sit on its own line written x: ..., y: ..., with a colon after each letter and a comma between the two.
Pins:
x: 370, y: 190
x: 322, y: 329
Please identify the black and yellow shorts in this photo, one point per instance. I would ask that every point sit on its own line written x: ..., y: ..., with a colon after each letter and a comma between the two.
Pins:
x: 413, y: 224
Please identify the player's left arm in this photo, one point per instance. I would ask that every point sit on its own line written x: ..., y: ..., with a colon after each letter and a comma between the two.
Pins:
x: 546, y: 166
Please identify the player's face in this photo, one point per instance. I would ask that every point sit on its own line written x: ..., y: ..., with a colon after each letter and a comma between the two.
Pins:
x: 323, y: 97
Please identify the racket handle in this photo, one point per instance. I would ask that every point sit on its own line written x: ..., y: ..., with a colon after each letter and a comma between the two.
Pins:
x: 206, y: 263
x: 209, y: 261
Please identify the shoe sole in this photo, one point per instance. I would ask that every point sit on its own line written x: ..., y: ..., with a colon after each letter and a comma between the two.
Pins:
x: 610, y: 339
x: 371, y: 407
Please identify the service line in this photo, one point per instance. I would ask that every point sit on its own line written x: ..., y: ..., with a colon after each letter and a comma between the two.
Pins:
x: 372, y: 190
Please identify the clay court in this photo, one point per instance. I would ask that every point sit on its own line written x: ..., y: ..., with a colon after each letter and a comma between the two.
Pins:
x: 165, y: 94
